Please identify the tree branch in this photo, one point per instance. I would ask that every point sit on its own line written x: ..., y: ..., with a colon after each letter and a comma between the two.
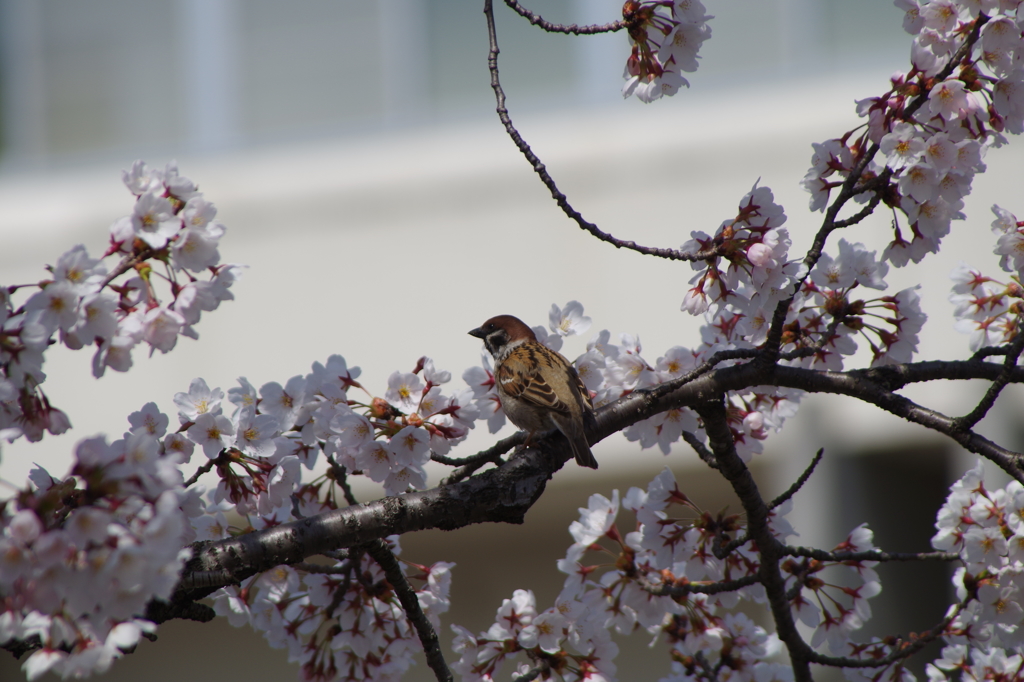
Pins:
x: 870, y: 555
x: 545, y: 177
x: 504, y: 494
x: 899, y: 653
x: 385, y: 558
x: 771, y: 550
x: 538, y: 20
x: 126, y: 264
x: 702, y: 450
x: 968, y: 421
x: 799, y: 483
x: 848, y: 190
x: 683, y: 589
x: 206, y: 468
x: 468, y: 465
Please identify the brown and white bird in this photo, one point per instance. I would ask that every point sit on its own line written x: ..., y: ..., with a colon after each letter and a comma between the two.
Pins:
x: 539, y: 389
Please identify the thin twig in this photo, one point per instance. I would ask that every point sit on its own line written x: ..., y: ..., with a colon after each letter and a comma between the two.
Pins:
x: 533, y: 673
x: 978, y: 413
x: 870, y: 555
x: 701, y: 449
x: 545, y: 177
x: 538, y: 20
x: 206, y: 468
x: 876, y: 199
x: 905, y: 652
x: 492, y: 454
x: 488, y: 455
x: 722, y: 551
x: 683, y: 589
x: 799, y: 483
x: 709, y: 672
x: 817, y: 346
x: 355, y: 558
x: 126, y: 264
x: 989, y: 351
x: 341, y: 478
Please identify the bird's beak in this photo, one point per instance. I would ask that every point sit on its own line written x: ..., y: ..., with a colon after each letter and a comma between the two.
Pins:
x: 478, y: 333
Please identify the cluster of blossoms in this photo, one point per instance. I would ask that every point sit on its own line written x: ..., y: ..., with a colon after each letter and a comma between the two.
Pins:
x: 82, y: 556
x: 933, y: 131
x: 743, y: 275
x: 986, y: 308
x: 672, y: 578
x: 340, y: 619
x: 271, y: 433
x: 84, y: 304
x: 666, y: 36
x: 985, y: 632
x: 828, y: 316
x: 834, y: 610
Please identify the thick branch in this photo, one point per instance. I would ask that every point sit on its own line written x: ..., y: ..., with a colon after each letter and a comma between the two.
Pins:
x: 505, y: 493
x: 856, y: 384
x: 501, y: 495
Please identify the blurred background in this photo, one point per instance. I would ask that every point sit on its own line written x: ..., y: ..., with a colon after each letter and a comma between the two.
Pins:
x: 353, y: 153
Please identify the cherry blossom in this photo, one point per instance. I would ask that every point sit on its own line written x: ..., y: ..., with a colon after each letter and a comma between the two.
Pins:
x: 666, y: 38
x: 568, y: 321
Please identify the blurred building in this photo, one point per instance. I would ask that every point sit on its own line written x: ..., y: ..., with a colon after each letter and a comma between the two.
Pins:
x: 352, y: 151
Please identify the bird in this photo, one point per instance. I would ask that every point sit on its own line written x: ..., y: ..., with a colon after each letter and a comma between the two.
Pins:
x: 539, y: 389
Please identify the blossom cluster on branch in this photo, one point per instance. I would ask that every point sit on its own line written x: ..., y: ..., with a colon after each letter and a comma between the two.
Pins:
x: 666, y: 36
x: 339, y: 618
x: 84, y: 557
x: 85, y: 303
x: 985, y: 638
x: 673, y: 577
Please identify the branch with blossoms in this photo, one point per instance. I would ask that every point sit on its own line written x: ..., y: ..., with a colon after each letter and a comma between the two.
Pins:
x: 505, y: 493
x: 169, y: 241
x: 319, y: 404
x: 93, y: 560
x: 501, y: 494
x: 638, y: 19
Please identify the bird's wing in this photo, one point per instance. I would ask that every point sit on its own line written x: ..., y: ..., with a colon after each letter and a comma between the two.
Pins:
x: 521, y: 377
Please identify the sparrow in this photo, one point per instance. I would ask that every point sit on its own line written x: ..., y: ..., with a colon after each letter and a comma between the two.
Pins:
x: 539, y: 389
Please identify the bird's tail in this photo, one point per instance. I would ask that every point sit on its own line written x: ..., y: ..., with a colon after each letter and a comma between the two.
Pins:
x: 581, y: 450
